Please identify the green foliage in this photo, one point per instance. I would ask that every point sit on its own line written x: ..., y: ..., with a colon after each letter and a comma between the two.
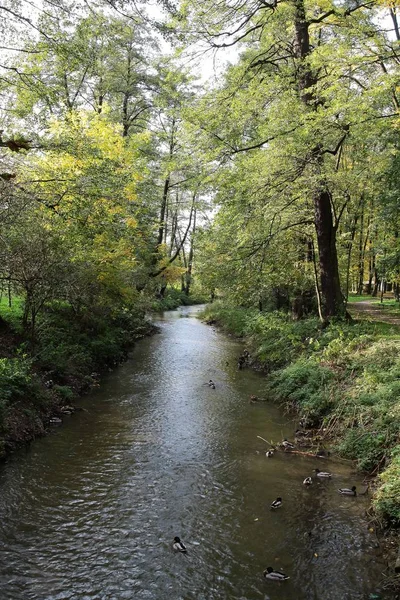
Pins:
x: 15, y: 382
x: 275, y: 337
x: 71, y: 346
x: 15, y: 376
x: 306, y: 386
x: 12, y: 314
x: 174, y: 298
x: 64, y: 391
x: 387, y: 497
x: 232, y: 319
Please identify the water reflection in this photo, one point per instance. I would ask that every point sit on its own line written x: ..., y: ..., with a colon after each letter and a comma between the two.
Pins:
x: 90, y: 512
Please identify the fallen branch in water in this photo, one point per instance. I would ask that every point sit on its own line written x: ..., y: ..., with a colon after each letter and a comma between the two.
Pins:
x: 267, y: 442
x: 305, y: 453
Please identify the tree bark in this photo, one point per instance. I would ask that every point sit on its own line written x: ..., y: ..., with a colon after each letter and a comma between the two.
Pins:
x: 360, y: 282
x: 331, y: 295
x: 188, y: 274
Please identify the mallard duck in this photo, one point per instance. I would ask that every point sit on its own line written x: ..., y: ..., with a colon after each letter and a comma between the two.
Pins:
x: 277, y: 503
x: 307, y: 481
x: 300, y: 433
x: 274, y: 575
x: 179, y: 546
x: 269, y: 453
x: 287, y: 445
x: 348, y: 491
x: 322, y: 473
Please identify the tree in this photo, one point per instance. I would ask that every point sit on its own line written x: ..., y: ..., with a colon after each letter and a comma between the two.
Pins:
x: 302, y: 89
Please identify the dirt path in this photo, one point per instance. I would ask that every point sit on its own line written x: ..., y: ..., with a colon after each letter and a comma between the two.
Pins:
x: 372, y: 310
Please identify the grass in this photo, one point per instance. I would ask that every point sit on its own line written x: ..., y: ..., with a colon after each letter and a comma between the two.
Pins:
x: 354, y: 298
x: 12, y: 314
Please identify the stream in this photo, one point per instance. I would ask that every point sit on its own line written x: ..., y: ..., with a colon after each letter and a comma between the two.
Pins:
x: 90, y: 511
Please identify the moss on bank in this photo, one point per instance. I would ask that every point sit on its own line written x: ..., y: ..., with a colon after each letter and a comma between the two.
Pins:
x: 344, y: 379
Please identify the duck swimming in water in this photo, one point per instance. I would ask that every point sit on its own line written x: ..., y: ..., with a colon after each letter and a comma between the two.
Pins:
x: 269, y: 453
x: 274, y: 575
x: 287, y: 445
x: 277, y: 503
x: 322, y: 473
x: 211, y: 384
x: 179, y: 546
x: 307, y: 481
x: 348, y: 491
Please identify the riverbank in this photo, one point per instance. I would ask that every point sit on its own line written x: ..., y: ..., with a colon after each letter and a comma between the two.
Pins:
x: 343, y: 380
x: 41, y: 379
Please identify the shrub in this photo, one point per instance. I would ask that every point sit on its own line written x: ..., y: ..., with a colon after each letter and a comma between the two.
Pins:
x: 305, y: 385
x: 15, y: 382
x: 64, y: 391
x: 386, y: 499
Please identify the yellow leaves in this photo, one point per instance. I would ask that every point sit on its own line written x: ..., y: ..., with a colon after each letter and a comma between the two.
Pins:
x: 388, y: 3
x: 173, y: 273
x: 91, y: 135
x: 131, y: 223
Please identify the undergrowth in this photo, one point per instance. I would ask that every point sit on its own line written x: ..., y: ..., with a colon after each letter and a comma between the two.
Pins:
x: 63, y: 360
x: 174, y: 298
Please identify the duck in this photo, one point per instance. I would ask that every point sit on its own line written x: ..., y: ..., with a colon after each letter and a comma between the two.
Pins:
x: 269, y: 453
x: 211, y: 384
x: 287, y: 445
x: 348, y: 491
x: 179, y: 546
x: 307, y: 481
x: 269, y: 573
x: 300, y: 433
x: 322, y: 473
x: 277, y: 503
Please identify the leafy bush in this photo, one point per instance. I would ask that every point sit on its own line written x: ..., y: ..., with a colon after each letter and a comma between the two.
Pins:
x: 386, y: 499
x: 174, y: 298
x: 72, y: 346
x: 64, y: 391
x: 305, y: 385
x: 15, y: 381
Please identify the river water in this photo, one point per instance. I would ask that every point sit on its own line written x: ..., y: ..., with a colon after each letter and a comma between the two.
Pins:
x: 90, y: 511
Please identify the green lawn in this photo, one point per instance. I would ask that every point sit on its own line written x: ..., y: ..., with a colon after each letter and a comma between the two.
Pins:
x: 355, y: 298
x: 12, y: 314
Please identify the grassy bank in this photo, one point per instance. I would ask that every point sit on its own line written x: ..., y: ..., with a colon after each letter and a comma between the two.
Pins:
x: 343, y: 379
x: 40, y: 377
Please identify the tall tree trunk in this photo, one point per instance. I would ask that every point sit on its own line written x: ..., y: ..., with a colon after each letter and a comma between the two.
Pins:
x: 163, y: 209
x: 349, y: 249
x: 188, y: 275
x: 393, y: 14
x: 360, y: 278
x: 377, y: 281
x: 331, y: 295
x: 371, y: 272
x: 167, y: 183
